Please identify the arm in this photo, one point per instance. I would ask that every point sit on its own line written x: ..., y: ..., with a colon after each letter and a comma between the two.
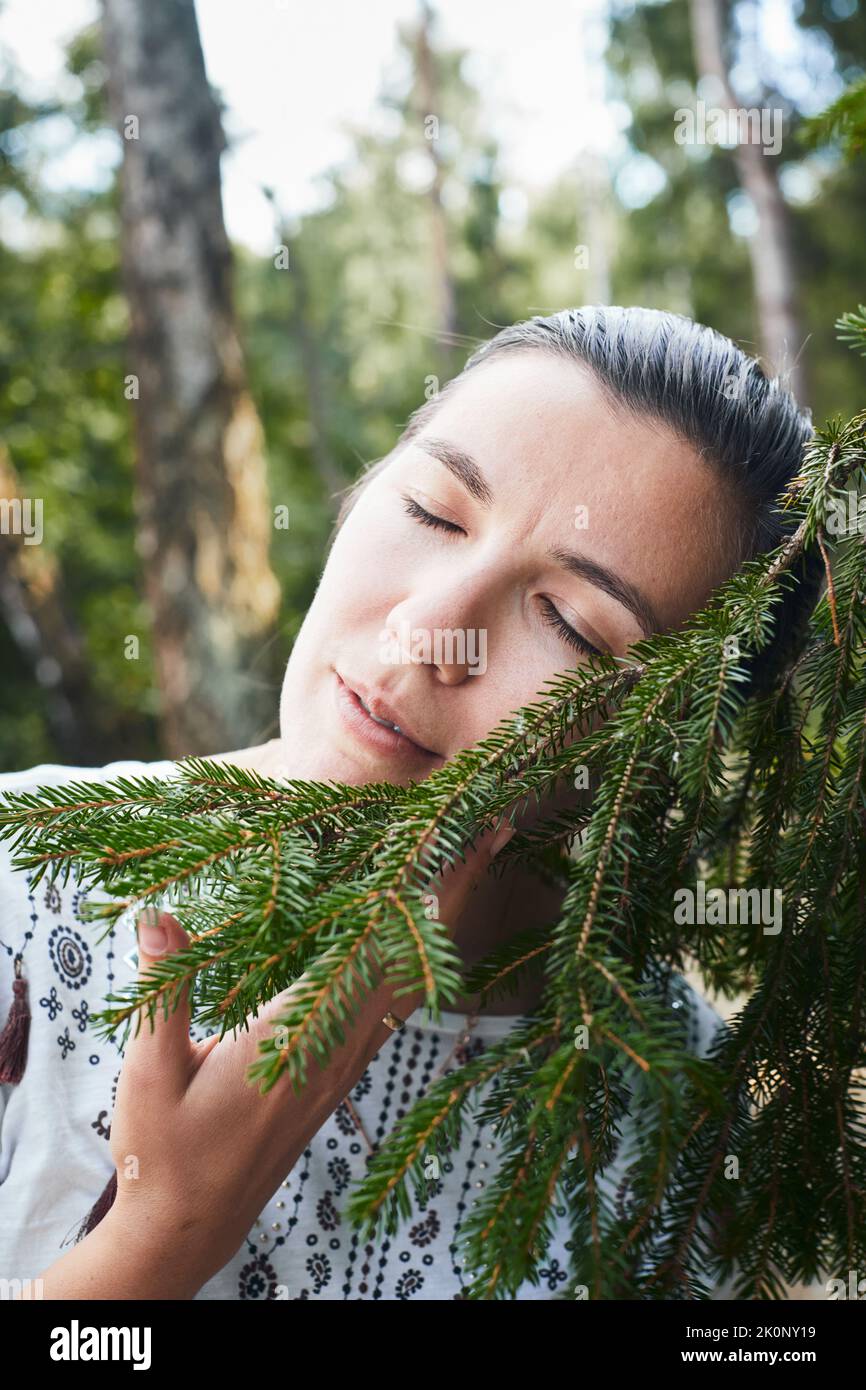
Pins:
x: 185, y: 1212
x: 135, y: 1254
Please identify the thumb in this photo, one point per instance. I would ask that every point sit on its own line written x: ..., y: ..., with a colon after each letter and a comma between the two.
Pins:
x: 160, y: 935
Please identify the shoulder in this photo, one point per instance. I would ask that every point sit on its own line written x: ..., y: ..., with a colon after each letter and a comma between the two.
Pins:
x: 47, y: 775
x: 37, y: 918
x: 704, y: 1021
x: 701, y: 1022
x: 55, y: 774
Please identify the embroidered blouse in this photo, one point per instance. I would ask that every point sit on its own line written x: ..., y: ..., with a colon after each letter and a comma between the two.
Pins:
x: 55, y: 1123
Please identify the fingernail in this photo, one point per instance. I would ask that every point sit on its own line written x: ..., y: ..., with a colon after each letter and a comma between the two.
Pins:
x: 152, y: 936
x: 500, y: 840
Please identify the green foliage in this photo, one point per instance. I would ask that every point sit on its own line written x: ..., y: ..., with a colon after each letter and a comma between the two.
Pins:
x: 844, y: 120
x: 370, y: 311
x: 852, y: 328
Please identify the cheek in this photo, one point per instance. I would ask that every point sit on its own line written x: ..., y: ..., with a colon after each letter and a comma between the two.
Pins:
x: 516, y: 676
x: 370, y: 562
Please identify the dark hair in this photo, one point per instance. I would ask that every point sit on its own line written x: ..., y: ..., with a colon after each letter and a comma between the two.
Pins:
x: 710, y: 394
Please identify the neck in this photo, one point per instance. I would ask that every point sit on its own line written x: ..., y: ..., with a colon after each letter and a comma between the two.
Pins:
x: 505, y: 904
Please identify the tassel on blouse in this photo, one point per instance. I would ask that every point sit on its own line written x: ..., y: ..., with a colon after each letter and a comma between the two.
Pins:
x: 15, y: 1036
x: 13, y: 1059
x: 103, y: 1204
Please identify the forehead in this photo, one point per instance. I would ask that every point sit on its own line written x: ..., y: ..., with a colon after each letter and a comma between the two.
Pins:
x: 549, y: 442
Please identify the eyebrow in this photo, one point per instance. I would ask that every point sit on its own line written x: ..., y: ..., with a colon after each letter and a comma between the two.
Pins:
x: 626, y: 593
x: 466, y: 471
x: 461, y: 464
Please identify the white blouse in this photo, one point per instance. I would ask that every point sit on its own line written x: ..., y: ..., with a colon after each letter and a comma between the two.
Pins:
x: 56, y: 1122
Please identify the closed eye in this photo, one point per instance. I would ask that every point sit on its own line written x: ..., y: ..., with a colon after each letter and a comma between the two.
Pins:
x: 428, y: 519
x: 552, y: 615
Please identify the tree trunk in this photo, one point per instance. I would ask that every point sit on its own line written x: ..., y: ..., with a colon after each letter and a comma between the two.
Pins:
x: 204, y: 519
x: 48, y: 639
x: 303, y: 325
x: 428, y: 95
x: 773, y: 269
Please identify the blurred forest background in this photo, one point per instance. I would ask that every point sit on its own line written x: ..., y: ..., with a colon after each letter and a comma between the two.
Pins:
x: 188, y: 411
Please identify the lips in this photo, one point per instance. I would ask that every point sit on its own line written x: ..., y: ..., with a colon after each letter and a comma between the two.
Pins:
x: 380, y: 722
x: 389, y: 724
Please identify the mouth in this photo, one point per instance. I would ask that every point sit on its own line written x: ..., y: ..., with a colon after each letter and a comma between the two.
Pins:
x: 375, y: 729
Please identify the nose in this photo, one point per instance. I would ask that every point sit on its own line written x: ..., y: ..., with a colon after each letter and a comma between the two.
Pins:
x: 444, y: 626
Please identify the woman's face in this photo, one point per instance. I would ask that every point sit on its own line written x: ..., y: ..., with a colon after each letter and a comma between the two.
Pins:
x: 525, y: 520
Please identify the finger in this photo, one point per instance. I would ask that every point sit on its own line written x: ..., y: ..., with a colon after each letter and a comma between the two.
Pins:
x: 446, y: 899
x: 452, y: 889
x: 167, y: 1036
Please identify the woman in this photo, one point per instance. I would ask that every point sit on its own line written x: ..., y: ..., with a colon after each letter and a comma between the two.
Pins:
x: 586, y: 480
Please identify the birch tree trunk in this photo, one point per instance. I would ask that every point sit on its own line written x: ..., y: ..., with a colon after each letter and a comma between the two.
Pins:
x: 773, y: 269
x: 204, y: 520
x: 429, y: 98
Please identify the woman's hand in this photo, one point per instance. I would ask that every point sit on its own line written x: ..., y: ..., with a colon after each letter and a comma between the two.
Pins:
x: 199, y: 1150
